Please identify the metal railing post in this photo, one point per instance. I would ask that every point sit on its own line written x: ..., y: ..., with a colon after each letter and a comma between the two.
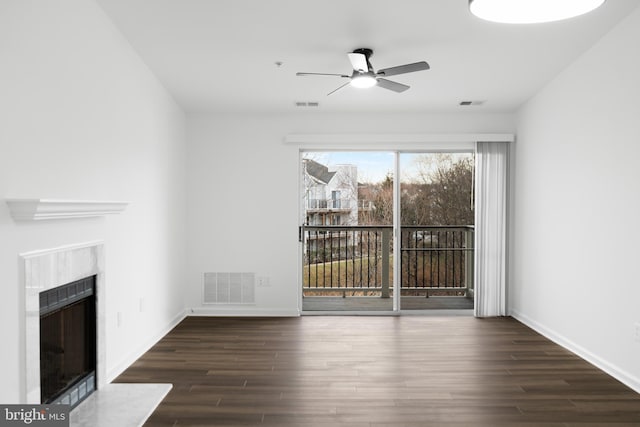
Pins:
x: 468, y: 261
x: 386, y: 240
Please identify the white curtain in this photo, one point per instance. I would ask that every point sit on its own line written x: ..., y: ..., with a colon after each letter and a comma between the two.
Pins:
x: 491, y: 228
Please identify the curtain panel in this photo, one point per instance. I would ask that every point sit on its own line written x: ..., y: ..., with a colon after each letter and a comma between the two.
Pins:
x: 492, y: 160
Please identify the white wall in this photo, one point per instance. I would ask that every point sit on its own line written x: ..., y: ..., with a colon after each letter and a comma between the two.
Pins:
x: 244, y: 198
x: 574, y: 233
x: 83, y: 118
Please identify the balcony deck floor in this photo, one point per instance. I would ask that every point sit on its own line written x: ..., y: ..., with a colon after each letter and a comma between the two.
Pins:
x: 316, y: 303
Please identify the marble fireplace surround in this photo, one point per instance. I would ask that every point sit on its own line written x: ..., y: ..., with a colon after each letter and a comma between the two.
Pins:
x: 46, y: 269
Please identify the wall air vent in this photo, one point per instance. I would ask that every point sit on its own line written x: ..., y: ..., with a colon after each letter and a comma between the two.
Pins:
x: 229, y: 288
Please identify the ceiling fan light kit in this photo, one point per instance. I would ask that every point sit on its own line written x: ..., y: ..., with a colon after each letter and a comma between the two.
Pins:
x: 363, y: 81
x: 531, y: 11
x: 363, y: 75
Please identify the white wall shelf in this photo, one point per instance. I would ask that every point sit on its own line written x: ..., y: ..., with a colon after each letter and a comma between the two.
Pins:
x: 47, y: 209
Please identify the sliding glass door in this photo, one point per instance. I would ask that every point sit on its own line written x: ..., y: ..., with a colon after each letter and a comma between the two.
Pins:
x: 386, y: 231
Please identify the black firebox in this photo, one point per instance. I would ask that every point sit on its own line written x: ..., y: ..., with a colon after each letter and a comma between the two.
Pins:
x: 68, y: 342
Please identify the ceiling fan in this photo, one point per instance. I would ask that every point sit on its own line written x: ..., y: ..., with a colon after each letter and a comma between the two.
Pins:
x: 364, y: 76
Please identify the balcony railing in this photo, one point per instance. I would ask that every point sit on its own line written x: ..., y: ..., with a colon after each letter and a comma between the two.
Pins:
x: 437, y: 258
x: 360, y: 259
x: 328, y: 204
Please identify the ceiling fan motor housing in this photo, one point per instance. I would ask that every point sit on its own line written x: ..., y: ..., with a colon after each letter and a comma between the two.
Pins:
x: 367, y: 54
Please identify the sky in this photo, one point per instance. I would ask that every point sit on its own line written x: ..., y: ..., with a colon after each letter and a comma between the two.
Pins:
x: 372, y: 166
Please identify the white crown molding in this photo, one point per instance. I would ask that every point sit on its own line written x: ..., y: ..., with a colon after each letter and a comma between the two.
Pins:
x: 46, y: 209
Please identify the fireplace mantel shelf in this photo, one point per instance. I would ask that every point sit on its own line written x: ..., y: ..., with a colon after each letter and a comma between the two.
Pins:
x: 47, y: 209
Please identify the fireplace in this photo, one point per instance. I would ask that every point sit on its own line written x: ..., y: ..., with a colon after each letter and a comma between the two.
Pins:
x: 68, y: 342
x: 55, y: 278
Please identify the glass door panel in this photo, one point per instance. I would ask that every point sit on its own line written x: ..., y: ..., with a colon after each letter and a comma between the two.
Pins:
x: 436, y: 231
x: 346, y: 237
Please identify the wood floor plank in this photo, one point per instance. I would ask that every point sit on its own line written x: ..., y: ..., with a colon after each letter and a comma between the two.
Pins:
x: 375, y: 372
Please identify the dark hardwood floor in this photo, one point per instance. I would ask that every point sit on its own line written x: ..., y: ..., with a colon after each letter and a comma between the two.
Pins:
x: 407, y: 371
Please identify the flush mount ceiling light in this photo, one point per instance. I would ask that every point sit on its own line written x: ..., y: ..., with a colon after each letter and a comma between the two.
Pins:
x: 531, y: 11
x: 364, y: 80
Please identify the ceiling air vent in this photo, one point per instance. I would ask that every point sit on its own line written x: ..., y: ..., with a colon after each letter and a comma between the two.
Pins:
x: 307, y: 104
x: 468, y: 103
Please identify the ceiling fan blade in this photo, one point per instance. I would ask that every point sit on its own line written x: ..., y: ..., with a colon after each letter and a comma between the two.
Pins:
x: 394, y: 86
x: 322, y: 74
x: 335, y: 90
x: 358, y: 62
x: 403, y: 69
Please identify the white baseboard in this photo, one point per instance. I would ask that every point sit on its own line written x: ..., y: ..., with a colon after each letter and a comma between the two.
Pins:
x: 239, y: 311
x: 146, y: 345
x: 619, y: 374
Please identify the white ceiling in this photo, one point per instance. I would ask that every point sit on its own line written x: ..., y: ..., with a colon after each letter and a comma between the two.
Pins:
x: 219, y: 55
